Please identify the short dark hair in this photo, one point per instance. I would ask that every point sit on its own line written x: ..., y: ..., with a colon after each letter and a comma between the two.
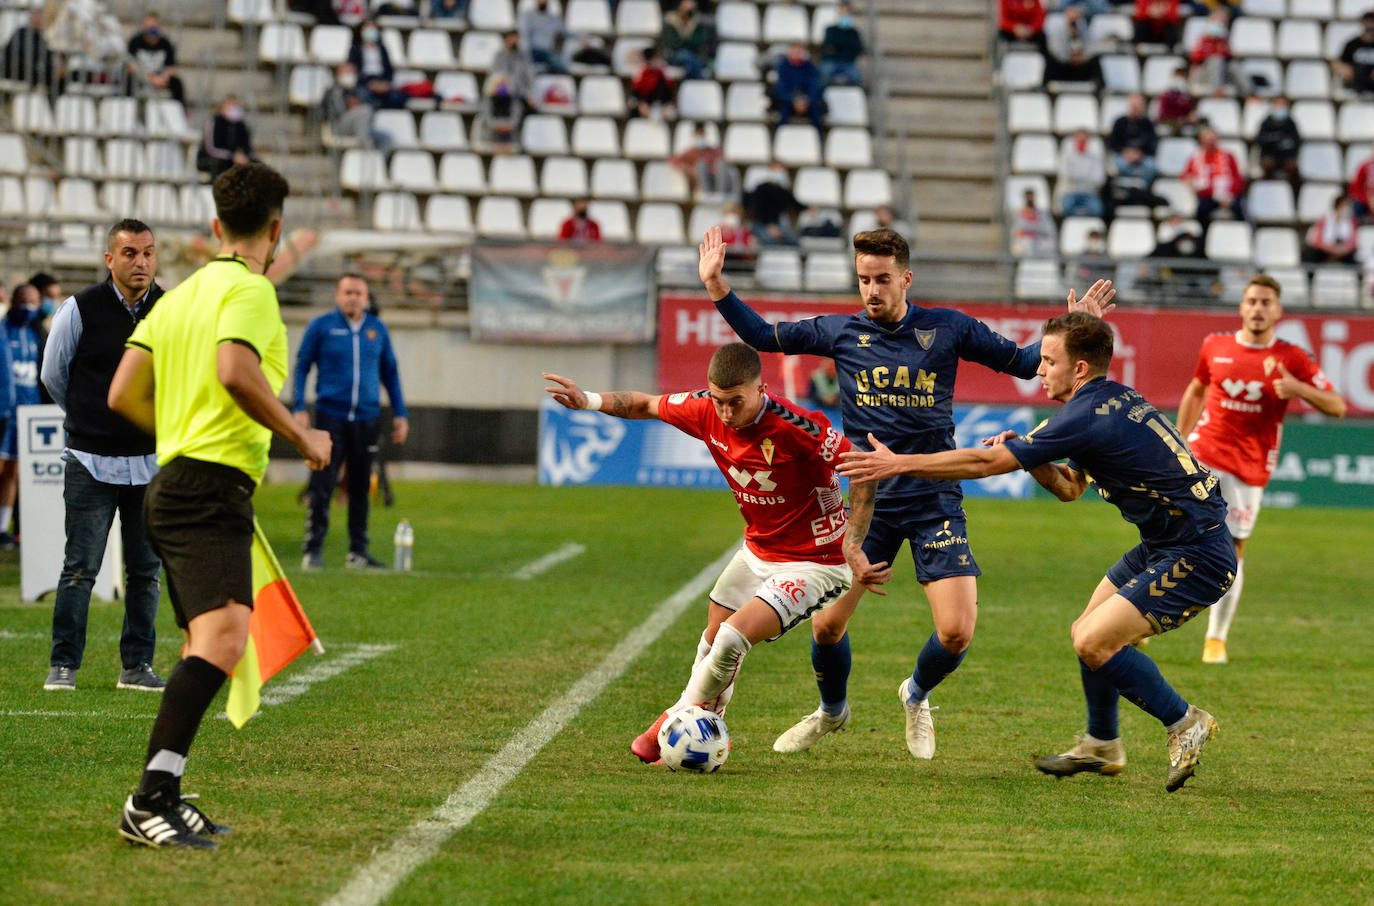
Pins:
x: 883, y: 243
x: 1266, y: 281
x: 248, y: 197
x: 127, y: 225
x: 40, y: 281
x: 734, y: 364
x: 1086, y: 337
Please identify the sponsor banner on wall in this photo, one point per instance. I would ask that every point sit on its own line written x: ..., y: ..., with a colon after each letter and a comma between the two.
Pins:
x: 1156, y: 349
x: 1323, y: 464
x: 562, y: 293
x: 593, y: 448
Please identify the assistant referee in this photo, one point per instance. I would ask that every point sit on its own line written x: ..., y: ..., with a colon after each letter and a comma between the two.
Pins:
x: 202, y: 373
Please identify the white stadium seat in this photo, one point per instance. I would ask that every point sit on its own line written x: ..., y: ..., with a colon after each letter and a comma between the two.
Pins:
x: 659, y: 224
x: 1034, y: 154
x: 493, y: 15
x: 547, y: 216
x: 1336, y: 287
x: 737, y: 20
x: 1277, y: 247
x: 784, y: 23
x: 595, y: 136
x: 701, y: 99
x: 76, y: 199
x: 746, y: 102
x: 848, y: 148
x: 414, y: 170
x: 309, y: 82
x: 867, y: 188
x: 1320, y: 161
x: 1230, y: 241
x: 1130, y: 238
x: 614, y: 178
x: 281, y: 42
x: 1028, y: 111
x: 747, y: 143
x: 818, y: 187
x: 614, y: 219
x: 543, y: 134
x: 430, y: 49
x: 639, y: 18
x: 329, y: 44
x: 396, y: 212
x: 797, y: 144
x: 442, y: 130
x: 601, y: 95
x: 1316, y: 198
x: 1022, y: 70
x: 1299, y: 39
x: 647, y: 140
x: 448, y: 214
x: 500, y: 218
x: 362, y: 170
x: 74, y: 114
x: 563, y: 177
x: 845, y: 105
x: 512, y: 174
x: 476, y: 50
x: 737, y: 61
x: 588, y: 17
x: 399, y: 127
x: 663, y: 182
x: 778, y: 268
x: 1271, y: 201
x: 462, y: 173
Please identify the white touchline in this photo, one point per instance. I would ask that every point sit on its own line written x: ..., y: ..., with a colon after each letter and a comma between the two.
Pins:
x: 548, y: 561
x: 102, y: 714
x: 375, y: 881
x: 276, y: 693
x: 7, y: 635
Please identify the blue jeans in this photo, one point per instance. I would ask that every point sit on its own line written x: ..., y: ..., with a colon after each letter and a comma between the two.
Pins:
x: 91, y: 506
x: 833, y: 71
x: 1082, y: 204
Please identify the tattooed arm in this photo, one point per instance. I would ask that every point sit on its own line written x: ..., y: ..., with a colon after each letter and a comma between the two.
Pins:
x: 870, y: 575
x: 620, y: 403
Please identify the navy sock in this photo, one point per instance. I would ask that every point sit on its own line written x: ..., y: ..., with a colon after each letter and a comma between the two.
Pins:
x: 1138, y: 679
x: 191, y: 686
x: 1102, y: 698
x: 832, y: 663
x: 934, y: 663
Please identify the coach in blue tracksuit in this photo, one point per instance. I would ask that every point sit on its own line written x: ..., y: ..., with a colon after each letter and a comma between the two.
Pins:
x: 351, y: 351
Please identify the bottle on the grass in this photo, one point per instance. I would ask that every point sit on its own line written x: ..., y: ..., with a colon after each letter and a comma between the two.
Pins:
x: 405, y: 544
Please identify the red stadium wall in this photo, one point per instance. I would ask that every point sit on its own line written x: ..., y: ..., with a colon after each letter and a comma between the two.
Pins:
x: 1156, y: 348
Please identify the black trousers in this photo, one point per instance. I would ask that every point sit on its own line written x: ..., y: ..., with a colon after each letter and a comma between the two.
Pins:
x: 355, y: 446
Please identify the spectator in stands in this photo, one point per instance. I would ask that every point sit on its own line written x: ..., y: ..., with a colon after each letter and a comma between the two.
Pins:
x: 579, y: 227
x: 1211, y: 57
x: 448, y: 9
x: 652, y: 89
x: 1231, y: 8
x: 797, y: 90
x: 1213, y: 173
x: 227, y: 140
x: 1069, y: 56
x: 688, y: 41
x: 373, y: 64
x: 155, y: 59
x: 512, y: 67
x: 1177, y: 109
x: 348, y: 115
x: 1082, y: 173
x: 502, y: 108
x: 841, y: 48
x: 770, y: 206
x: 323, y: 11
x: 1092, y: 260
x: 1022, y: 20
x: 1361, y: 189
x: 28, y: 59
x: 1332, y: 238
x: 1157, y: 22
x: 714, y: 179
x: 1356, y: 63
x: 820, y: 223
x: 394, y: 8
x: 1033, y: 235
x: 1133, y: 129
x: 541, y: 33
x: 733, y: 232
x: 887, y: 219
x: 1177, y: 267
x: 1278, y: 142
x: 50, y: 296
x: 590, y: 51
x: 1132, y: 182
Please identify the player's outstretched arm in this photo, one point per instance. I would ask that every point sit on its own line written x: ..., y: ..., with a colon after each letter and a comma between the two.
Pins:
x: 1096, y: 301
x: 711, y: 267
x: 1287, y: 386
x: 620, y: 403
x: 881, y: 462
x: 1061, y: 481
x: 870, y: 575
x: 1190, y: 406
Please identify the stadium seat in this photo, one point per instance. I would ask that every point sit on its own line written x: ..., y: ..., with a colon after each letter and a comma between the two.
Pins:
x: 1172, y: 154
x: 476, y: 50
x: 457, y: 90
x: 1364, y: 243
x: 1130, y: 238
x: 797, y: 144
x: 398, y: 125
x: 1355, y: 122
x: 1158, y: 70
x: 747, y: 143
x: 543, y: 134
x: 74, y: 114
x: 1355, y: 155
x: 547, y: 216
x: 165, y: 160
x: 614, y: 219
x: 360, y: 170
x: 1252, y: 37
x: 395, y: 212
x: 1294, y: 283
x: 157, y: 203
x: 1307, y: 79
x: 757, y: 174
x: 867, y: 188
x: 1037, y: 280
x: 430, y: 49
x: 746, y: 102
x: 124, y: 159
x: 555, y: 93
x: 1120, y: 72
x: 817, y: 187
x: 700, y: 99
x: 626, y: 56
x: 701, y: 219
x: 847, y: 148
x: 1015, y: 188
x: 1277, y: 247
x: 1314, y: 9
x: 14, y: 157
x: 329, y: 44
x: 1028, y: 111
x: 1352, y: 9
x: 862, y: 222
x: 778, y: 268
x: 118, y: 116
x: 414, y: 170
x: 500, y: 218
x: 461, y: 172
x: 845, y: 105
x: 11, y: 196
x: 80, y: 157
x: 512, y: 174
x: 1261, y: 75
x: 442, y: 130
x: 197, y: 204
x: 588, y: 17
x: 1024, y: 70
x: 663, y: 182
x: 828, y: 271
x: 1230, y: 241
x: 1073, y: 231
x: 166, y: 118
x: 1110, y: 28
x: 1269, y: 9
x: 281, y: 42
x: 1299, y: 39
x: 448, y: 214
x: 76, y: 199
x: 1252, y: 113
x: 309, y: 82
x: 595, y: 136
x: 1336, y: 287
x: 1034, y: 154
x: 251, y: 11
x: 32, y: 113
x: 676, y: 264
x: 684, y: 135
x: 737, y: 62
x: 647, y: 140
x: 659, y: 223
x: 784, y: 23
x: 614, y: 178
x: 116, y: 195
x: 1316, y: 120
x: 1114, y: 106
x: 563, y: 177
x: 639, y: 18
x: 1316, y: 198
x: 1320, y: 161
x: 601, y: 95
x: 1337, y: 35
x: 737, y: 20
x: 822, y: 18
x: 1222, y: 114
x: 1181, y: 197
x: 1270, y: 201
x: 1075, y: 111
x: 492, y: 15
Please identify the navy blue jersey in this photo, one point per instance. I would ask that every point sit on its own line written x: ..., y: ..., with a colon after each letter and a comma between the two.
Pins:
x: 896, y: 379
x: 1135, y: 457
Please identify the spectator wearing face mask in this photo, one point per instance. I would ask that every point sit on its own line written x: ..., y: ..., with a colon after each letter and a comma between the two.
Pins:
x: 1211, y: 56
x: 154, y: 59
x: 1033, y: 231
x: 1134, y: 128
x: 841, y: 48
x: 770, y: 206
x: 687, y: 40
x: 1213, y: 173
x: 1071, y: 57
x: 1082, y: 172
x: 1177, y: 108
x: 797, y: 91
x: 227, y: 140
x: 580, y: 227
x: 1331, y: 239
x: 1278, y: 141
x: 376, y: 76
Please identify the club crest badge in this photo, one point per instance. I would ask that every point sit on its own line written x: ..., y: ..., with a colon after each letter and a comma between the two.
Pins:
x: 925, y: 337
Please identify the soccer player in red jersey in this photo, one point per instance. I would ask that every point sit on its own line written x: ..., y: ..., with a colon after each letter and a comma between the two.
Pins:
x: 1232, y: 414
x: 779, y: 461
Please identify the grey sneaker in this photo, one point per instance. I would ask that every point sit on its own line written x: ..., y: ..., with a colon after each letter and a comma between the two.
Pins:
x: 142, y: 678
x: 364, y: 560
x: 920, y: 729
x: 1093, y: 755
x: 312, y: 560
x: 60, y: 678
x: 1185, y: 746
x: 812, y: 727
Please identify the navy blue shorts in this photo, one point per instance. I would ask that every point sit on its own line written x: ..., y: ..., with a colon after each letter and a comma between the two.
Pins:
x: 9, y: 446
x: 1171, y: 585
x: 939, y: 543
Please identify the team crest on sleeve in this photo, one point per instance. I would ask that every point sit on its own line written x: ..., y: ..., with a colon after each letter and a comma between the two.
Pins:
x: 925, y: 337
x: 678, y: 398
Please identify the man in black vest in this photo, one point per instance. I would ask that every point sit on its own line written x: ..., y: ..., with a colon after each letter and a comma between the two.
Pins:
x: 109, y: 461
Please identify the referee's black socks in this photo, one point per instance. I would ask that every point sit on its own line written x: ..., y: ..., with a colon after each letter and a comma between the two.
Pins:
x: 191, y: 686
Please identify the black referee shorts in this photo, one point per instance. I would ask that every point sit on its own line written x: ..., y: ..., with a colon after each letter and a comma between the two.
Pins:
x: 199, y: 518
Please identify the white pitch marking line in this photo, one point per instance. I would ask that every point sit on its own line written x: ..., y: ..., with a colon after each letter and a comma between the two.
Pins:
x: 108, y: 714
x: 549, y: 561
x: 6, y: 635
x: 277, y: 693
x: 375, y: 881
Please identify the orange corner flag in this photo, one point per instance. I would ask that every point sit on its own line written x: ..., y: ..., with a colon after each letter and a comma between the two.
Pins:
x: 277, y: 632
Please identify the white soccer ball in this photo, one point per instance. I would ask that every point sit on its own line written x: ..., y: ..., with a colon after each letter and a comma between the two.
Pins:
x: 694, y: 739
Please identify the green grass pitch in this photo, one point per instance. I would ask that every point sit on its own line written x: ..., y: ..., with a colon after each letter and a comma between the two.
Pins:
x: 1281, y: 809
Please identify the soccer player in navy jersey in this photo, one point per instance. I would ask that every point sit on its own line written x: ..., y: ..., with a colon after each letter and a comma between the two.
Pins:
x: 1113, y: 438
x: 896, y: 365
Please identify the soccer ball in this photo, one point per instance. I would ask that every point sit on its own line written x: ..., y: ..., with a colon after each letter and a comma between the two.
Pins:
x: 694, y: 739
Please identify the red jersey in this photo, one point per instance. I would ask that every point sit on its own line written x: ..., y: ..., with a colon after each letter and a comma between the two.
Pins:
x: 782, y: 471
x: 1242, y: 418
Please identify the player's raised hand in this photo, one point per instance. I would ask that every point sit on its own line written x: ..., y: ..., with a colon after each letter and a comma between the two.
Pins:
x: 1096, y: 301
x: 869, y: 465
x: 566, y: 393
x: 999, y: 438
x: 712, y: 264
x: 1285, y: 385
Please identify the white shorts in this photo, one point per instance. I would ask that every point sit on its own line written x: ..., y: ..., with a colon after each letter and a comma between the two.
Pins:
x: 1242, y: 503
x: 794, y: 589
